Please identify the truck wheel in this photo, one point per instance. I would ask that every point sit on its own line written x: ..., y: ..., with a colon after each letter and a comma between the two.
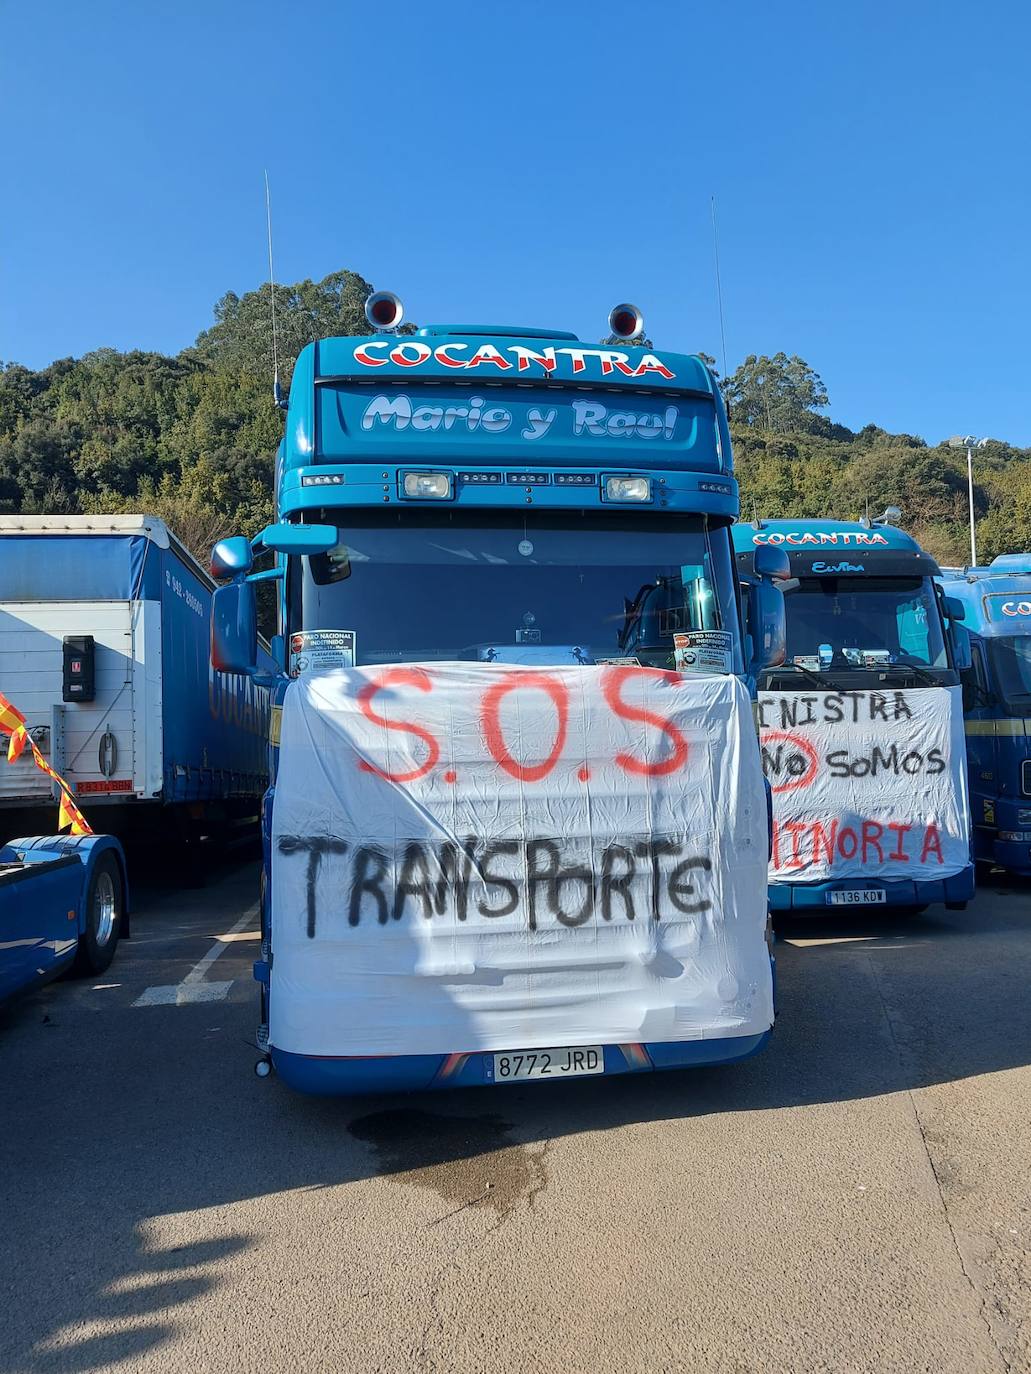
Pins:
x: 105, y: 910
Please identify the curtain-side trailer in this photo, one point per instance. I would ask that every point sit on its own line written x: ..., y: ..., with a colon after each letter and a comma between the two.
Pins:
x: 105, y: 624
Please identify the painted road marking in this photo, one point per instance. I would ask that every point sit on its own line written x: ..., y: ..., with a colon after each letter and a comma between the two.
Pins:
x: 193, y: 988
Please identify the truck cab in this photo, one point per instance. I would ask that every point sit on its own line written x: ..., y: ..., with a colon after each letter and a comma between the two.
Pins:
x: 861, y: 723
x: 461, y: 505
x: 997, y: 707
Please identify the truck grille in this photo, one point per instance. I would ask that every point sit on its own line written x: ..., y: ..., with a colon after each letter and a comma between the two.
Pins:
x: 1025, y: 777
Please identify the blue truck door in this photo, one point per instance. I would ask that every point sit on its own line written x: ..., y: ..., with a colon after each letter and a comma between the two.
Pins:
x: 982, y: 758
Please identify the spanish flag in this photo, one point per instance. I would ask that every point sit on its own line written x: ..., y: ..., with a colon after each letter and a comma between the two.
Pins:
x: 12, y: 723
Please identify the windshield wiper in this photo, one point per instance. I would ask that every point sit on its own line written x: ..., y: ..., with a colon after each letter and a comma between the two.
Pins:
x: 798, y: 668
x: 921, y: 674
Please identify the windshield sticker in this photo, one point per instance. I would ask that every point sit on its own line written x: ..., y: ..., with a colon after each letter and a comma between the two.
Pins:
x: 703, y: 651
x: 318, y: 651
x: 618, y: 662
x: 812, y: 663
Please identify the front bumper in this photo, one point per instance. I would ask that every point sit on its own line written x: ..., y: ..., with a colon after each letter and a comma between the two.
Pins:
x: 811, y: 898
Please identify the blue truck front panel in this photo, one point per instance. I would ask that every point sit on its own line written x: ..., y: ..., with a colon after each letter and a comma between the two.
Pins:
x: 847, y: 549
x: 517, y: 419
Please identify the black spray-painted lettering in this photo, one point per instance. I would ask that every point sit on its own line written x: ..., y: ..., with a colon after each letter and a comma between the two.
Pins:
x: 367, y: 875
x: 617, y: 884
x: 891, y: 759
x: 315, y: 847
x: 497, y: 849
x: 680, y: 889
x: 798, y: 708
x: 544, y: 878
x: 653, y: 850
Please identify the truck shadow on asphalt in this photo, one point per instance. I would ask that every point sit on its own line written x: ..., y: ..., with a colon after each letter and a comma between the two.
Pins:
x: 129, y: 1136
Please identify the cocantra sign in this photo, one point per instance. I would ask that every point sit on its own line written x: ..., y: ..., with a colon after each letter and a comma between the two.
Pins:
x: 835, y: 538
x: 413, y: 353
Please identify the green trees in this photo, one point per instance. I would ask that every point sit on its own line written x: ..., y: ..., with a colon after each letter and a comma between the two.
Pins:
x: 777, y: 395
x: 191, y: 438
x: 240, y: 340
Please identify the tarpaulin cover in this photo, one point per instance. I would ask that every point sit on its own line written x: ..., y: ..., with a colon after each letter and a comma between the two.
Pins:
x: 869, y: 784
x: 71, y: 567
x: 474, y: 857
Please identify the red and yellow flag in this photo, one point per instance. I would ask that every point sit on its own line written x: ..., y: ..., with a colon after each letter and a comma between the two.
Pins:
x: 12, y: 723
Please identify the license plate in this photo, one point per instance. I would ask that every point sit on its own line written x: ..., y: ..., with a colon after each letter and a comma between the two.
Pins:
x: 857, y: 896
x: 564, y: 1063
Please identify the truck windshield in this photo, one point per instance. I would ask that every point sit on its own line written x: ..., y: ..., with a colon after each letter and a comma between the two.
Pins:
x: 857, y: 623
x: 517, y: 586
x: 1011, y: 666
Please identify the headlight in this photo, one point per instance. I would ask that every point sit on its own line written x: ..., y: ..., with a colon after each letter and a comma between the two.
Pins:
x: 426, y: 486
x: 628, y: 489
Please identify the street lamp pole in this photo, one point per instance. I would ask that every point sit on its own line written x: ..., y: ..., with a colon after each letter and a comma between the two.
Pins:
x: 969, y: 442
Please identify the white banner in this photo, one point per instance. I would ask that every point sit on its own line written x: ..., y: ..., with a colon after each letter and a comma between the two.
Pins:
x: 480, y: 857
x: 866, y: 784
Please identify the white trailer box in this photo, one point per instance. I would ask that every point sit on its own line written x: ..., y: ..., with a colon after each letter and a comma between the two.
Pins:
x: 161, y: 727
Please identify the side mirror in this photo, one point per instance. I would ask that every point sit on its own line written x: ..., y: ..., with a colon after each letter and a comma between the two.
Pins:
x: 766, y: 624
x: 234, y: 628
x: 299, y: 539
x: 231, y: 558
x: 277, y: 647
x: 955, y: 609
x: 771, y: 561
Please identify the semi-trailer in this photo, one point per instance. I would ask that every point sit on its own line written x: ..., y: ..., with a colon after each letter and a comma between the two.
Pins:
x: 105, y: 625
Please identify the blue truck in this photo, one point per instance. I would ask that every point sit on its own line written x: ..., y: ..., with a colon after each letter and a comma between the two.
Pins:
x: 494, y: 499
x: 997, y: 702
x: 861, y: 725
x: 105, y: 628
x: 64, y: 905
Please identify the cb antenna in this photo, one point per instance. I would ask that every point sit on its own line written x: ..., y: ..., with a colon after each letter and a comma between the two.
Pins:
x: 277, y: 391
x: 719, y: 287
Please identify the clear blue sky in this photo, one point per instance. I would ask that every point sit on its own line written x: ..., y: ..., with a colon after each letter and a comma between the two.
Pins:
x: 535, y: 163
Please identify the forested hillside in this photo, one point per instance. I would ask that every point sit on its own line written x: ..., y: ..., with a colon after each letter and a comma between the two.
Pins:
x: 191, y: 437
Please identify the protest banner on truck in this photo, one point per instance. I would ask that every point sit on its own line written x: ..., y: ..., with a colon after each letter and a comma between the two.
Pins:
x: 468, y: 856
x: 865, y: 783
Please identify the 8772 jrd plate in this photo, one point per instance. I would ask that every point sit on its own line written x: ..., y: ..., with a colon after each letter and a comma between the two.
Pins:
x: 574, y: 1062
x: 857, y: 896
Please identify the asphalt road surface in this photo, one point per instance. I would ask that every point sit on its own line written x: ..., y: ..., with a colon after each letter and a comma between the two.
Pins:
x: 857, y: 1197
